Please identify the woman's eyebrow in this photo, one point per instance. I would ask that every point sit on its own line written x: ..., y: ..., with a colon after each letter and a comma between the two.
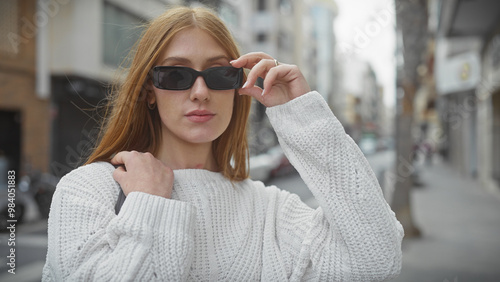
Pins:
x: 176, y: 59
x: 186, y: 60
x: 216, y: 58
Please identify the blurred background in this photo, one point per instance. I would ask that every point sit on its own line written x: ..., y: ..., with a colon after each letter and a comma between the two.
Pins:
x: 416, y: 83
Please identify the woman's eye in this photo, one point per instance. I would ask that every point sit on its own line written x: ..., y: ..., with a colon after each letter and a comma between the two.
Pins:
x: 219, y: 64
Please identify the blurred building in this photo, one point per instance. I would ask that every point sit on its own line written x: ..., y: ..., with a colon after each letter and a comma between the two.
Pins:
x: 25, y: 113
x: 360, y: 105
x: 314, y: 48
x: 292, y: 31
x: 372, y: 103
x: 58, y: 59
x: 262, y: 26
x: 467, y: 73
x: 89, y: 41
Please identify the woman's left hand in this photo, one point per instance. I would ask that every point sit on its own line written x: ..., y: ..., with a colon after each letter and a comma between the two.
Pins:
x: 282, y: 82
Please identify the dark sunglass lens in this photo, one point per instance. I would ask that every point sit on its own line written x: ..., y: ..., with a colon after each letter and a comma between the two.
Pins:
x: 174, y: 79
x: 223, y: 78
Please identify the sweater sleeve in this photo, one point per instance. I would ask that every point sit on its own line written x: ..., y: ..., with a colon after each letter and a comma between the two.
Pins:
x: 353, y: 235
x: 150, y: 239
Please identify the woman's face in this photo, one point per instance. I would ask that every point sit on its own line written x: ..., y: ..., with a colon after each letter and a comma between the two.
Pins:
x: 199, y: 114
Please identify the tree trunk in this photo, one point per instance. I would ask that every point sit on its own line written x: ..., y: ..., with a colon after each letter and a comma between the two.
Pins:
x: 404, y: 169
x: 411, y: 18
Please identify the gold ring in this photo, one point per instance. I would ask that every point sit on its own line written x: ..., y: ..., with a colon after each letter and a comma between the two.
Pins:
x: 276, y: 62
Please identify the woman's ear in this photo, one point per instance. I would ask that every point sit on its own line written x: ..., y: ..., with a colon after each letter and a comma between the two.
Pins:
x: 150, y: 94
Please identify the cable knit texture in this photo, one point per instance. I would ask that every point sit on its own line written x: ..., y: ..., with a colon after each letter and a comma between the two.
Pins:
x: 215, y: 230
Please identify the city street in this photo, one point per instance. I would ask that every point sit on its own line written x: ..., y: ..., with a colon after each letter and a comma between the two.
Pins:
x: 460, y: 225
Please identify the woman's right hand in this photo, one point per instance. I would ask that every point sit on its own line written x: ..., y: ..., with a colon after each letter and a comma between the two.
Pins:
x: 142, y: 172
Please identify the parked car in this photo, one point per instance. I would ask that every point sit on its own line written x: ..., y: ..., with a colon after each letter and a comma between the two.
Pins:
x: 368, y: 145
x: 268, y: 164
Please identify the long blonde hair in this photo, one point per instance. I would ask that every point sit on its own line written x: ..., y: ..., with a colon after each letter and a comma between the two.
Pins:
x: 130, y: 125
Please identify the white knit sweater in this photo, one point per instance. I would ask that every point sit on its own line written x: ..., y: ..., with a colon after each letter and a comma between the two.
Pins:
x: 213, y: 229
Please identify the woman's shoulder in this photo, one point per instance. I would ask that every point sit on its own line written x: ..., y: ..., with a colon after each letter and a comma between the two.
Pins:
x: 98, y: 175
x: 93, y: 170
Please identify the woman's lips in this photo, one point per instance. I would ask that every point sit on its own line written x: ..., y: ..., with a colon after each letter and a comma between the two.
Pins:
x: 199, y: 116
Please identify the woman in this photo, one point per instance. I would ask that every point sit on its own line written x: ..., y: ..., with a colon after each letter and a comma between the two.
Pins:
x: 177, y: 134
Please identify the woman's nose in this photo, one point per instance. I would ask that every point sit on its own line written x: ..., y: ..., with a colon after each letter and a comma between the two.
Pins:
x: 200, y: 90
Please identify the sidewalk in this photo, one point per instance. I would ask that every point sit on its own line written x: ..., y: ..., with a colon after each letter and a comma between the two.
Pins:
x: 460, y: 225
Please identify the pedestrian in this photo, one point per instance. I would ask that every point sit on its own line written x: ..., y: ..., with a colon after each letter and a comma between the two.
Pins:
x: 176, y: 132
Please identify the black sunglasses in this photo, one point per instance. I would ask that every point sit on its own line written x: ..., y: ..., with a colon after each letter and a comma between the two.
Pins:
x: 183, y: 78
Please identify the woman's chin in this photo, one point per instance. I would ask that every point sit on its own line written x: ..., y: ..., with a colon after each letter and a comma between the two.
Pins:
x: 199, y: 139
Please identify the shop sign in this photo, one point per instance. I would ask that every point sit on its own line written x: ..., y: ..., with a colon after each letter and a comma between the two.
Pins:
x: 459, y: 73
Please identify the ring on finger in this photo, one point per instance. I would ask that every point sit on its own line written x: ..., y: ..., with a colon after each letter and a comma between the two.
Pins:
x: 276, y: 62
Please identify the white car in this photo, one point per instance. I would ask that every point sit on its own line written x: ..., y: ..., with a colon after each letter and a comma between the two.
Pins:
x: 368, y: 146
x: 262, y: 166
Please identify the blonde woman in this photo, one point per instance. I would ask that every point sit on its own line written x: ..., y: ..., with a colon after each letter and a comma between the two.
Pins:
x: 176, y: 132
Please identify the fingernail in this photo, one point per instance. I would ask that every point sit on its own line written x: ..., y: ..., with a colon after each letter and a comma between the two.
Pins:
x: 245, y: 85
x: 263, y: 92
x: 231, y: 62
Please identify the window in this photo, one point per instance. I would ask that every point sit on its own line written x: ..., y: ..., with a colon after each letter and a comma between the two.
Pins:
x: 261, y: 37
x: 285, y: 41
x: 120, y: 30
x: 230, y: 16
x: 9, y: 29
x: 285, y: 7
x: 261, y: 5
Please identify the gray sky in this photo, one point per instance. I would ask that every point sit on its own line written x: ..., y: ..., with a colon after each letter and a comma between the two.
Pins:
x: 367, y: 26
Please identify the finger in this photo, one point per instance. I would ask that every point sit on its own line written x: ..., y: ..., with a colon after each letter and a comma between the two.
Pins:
x: 272, y: 75
x: 259, y: 70
x: 120, y: 157
x: 119, y: 173
x: 250, y: 60
x: 253, y: 91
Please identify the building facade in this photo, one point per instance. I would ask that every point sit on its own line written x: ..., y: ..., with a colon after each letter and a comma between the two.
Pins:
x: 292, y: 31
x: 90, y: 41
x: 68, y: 53
x: 360, y: 105
x: 467, y: 73
x: 57, y: 59
x: 25, y: 113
